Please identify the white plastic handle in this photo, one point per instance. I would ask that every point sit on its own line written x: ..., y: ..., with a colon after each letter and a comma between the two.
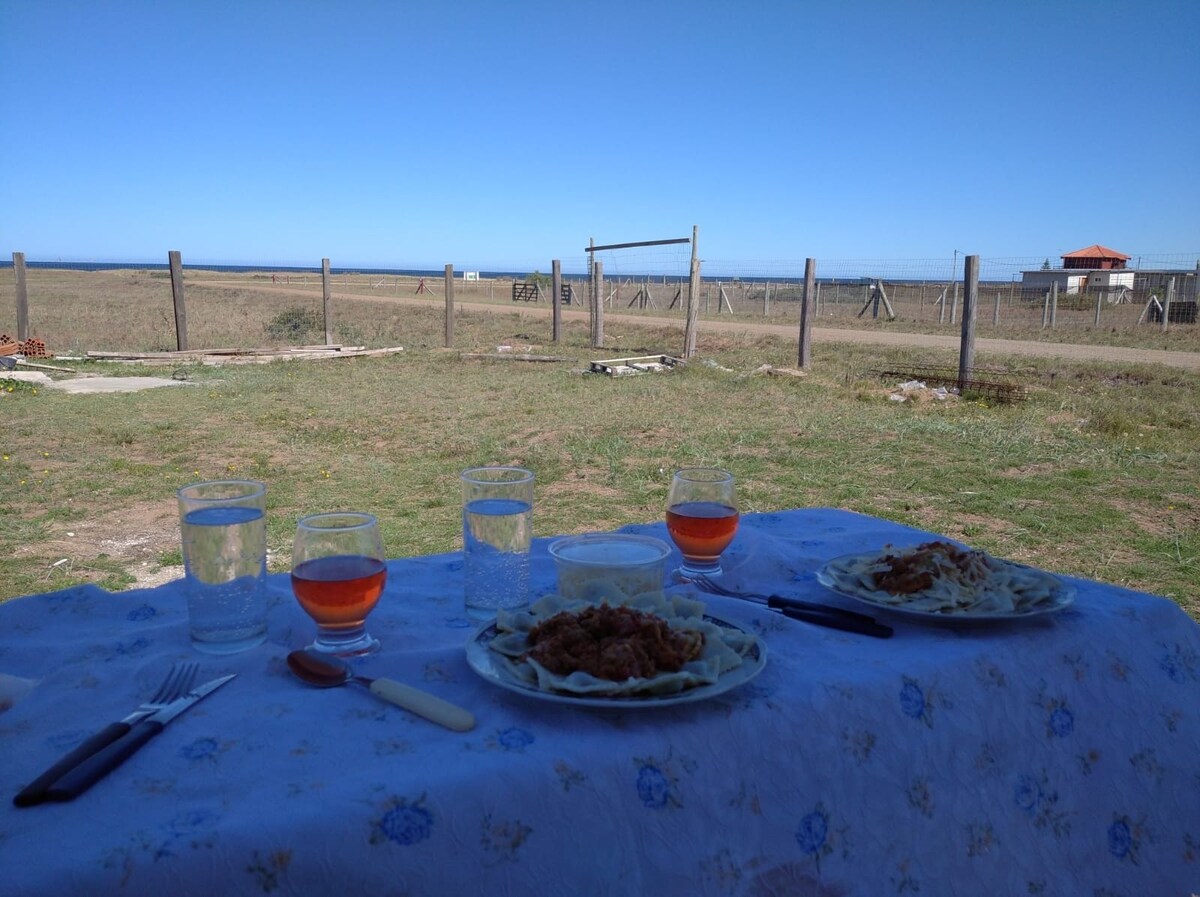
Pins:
x: 422, y: 703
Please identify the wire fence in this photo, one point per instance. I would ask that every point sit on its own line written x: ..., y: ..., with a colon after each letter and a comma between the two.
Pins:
x: 74, y: 308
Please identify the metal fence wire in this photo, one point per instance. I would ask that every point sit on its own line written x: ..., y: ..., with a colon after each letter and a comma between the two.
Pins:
x: 75, y: 307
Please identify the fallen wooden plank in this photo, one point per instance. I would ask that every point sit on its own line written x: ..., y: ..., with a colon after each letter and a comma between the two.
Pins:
x: 46, y: 367
x: 216, y: 358
x: 508, y: 356
x: 616, y: 367
x: 780, y: 372
x: 200, y: 353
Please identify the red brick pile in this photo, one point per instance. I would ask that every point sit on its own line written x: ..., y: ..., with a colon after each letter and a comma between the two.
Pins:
x: 31, y: 348
x: 34, y: 348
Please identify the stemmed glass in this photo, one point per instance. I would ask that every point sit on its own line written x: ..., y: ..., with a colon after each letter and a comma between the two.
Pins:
x: 702, y: 517
x: 338, y: 573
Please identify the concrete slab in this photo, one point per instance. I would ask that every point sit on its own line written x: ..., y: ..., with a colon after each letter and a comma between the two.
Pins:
x: 93, y: 384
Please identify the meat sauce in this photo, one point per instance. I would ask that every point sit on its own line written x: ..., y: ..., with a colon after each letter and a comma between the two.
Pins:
x: 911, y: 572
x: 613, y: 643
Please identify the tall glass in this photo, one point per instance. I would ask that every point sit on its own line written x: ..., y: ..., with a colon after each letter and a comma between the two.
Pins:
x: 223, y: 531
x: 497, y: 534
x: 338, y: 574
x: 702, y: 518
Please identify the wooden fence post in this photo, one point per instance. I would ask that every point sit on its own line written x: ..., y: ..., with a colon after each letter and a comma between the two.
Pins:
x: 176, y: 263
x: 449, y: 306
x: 1099, y: 304
x: 693, y: 304
x: 996, y: 311
x: 22, y: 297
x: 555, y: 300
x: 693, y: 310
x: 598, y: 306
x: 808, y: 305
x: 966, y: 350
x: 326, y: 301
x: 1053, y: 304
x: 1167, y: 303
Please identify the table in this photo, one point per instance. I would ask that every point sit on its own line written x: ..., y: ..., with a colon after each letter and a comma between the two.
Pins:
x: 1057, y: 756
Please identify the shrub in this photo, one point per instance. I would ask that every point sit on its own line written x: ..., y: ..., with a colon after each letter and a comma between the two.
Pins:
x: 295, y: 325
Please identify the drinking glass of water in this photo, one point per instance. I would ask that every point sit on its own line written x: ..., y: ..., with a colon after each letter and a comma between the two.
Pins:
x: 338, y: 574
x: 497, y: 532
x: 702, y: 518
x: 224, y: 538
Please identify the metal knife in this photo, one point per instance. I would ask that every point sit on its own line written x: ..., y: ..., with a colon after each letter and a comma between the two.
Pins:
x: 865, y: 626
x: 35, y: 792
x: 78, y: 780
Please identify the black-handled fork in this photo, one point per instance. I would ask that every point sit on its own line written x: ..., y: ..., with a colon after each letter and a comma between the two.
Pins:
x: 175, y: 684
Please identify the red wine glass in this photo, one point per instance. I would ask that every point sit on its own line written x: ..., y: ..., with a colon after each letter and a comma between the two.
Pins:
x: 702, y: 518
x: 338, y: 574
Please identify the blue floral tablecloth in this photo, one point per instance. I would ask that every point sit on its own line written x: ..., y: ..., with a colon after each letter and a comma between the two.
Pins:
x: 1060, y: 756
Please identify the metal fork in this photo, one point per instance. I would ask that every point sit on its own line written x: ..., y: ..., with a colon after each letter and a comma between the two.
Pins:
x: 798, y: 609
x: 175, y: 684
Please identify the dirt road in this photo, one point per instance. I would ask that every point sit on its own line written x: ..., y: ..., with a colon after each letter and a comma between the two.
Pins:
x: 1074, y: 351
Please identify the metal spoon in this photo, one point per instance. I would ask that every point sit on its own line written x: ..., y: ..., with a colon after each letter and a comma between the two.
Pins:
x: 326, y: 671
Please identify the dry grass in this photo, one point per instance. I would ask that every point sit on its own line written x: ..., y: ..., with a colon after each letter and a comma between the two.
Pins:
x: 1095, y: 475
x: 130, y: 310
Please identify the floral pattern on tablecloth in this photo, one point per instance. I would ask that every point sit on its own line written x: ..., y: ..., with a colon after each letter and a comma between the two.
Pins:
x: 1057, y: 756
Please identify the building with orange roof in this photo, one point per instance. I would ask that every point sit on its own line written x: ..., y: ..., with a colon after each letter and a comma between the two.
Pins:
x: 1089, y: 269
x: 1095, y: 257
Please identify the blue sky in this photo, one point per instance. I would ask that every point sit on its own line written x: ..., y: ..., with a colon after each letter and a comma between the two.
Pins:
x: 497, y: 136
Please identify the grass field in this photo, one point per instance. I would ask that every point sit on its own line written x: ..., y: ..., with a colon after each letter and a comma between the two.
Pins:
x: 1096, y: 474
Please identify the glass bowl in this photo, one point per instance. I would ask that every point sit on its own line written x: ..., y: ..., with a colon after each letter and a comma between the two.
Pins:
x: 609, y: 566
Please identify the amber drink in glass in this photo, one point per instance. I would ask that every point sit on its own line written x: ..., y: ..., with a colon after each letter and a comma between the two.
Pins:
x: 338, y: 575
x: 702, y: 518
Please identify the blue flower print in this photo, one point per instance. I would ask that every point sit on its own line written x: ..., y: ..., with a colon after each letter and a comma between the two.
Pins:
x: 1062, y: 721
x: 133, y: 646
x: 514, y: 739
x: 403, y: 823
x: 1027, y: 793
x: 812, y: 831
x: 200, y: 749
x: 653, y: 787
x: 190, y: 821
x: 912, y: 699
x: 1179, y: 665
x: 141, y: 614
x: 1120, y: 839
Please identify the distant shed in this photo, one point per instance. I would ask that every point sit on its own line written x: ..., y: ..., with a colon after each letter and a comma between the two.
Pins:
x: 1095, y: 267
x: 1095, y: 258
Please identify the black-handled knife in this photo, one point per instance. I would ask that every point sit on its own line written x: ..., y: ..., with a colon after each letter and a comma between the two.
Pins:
x: 35, y: 792
x: 862, y: 626
x: 779, y: 602
x: 82, y: 776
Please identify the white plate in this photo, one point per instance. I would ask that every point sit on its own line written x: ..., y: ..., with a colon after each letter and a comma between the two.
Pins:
x: 831, y: 576
x: 479, y: 658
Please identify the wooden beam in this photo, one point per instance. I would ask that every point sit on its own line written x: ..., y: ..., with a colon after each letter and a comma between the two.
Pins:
x: 176, y: 263
x: 807, y: 310
x: 449, y: 306
x: 22, y: 297
x: 632, y: 245
x: 555, y: 300
x: 326, y: 300
x: 966, y: 349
